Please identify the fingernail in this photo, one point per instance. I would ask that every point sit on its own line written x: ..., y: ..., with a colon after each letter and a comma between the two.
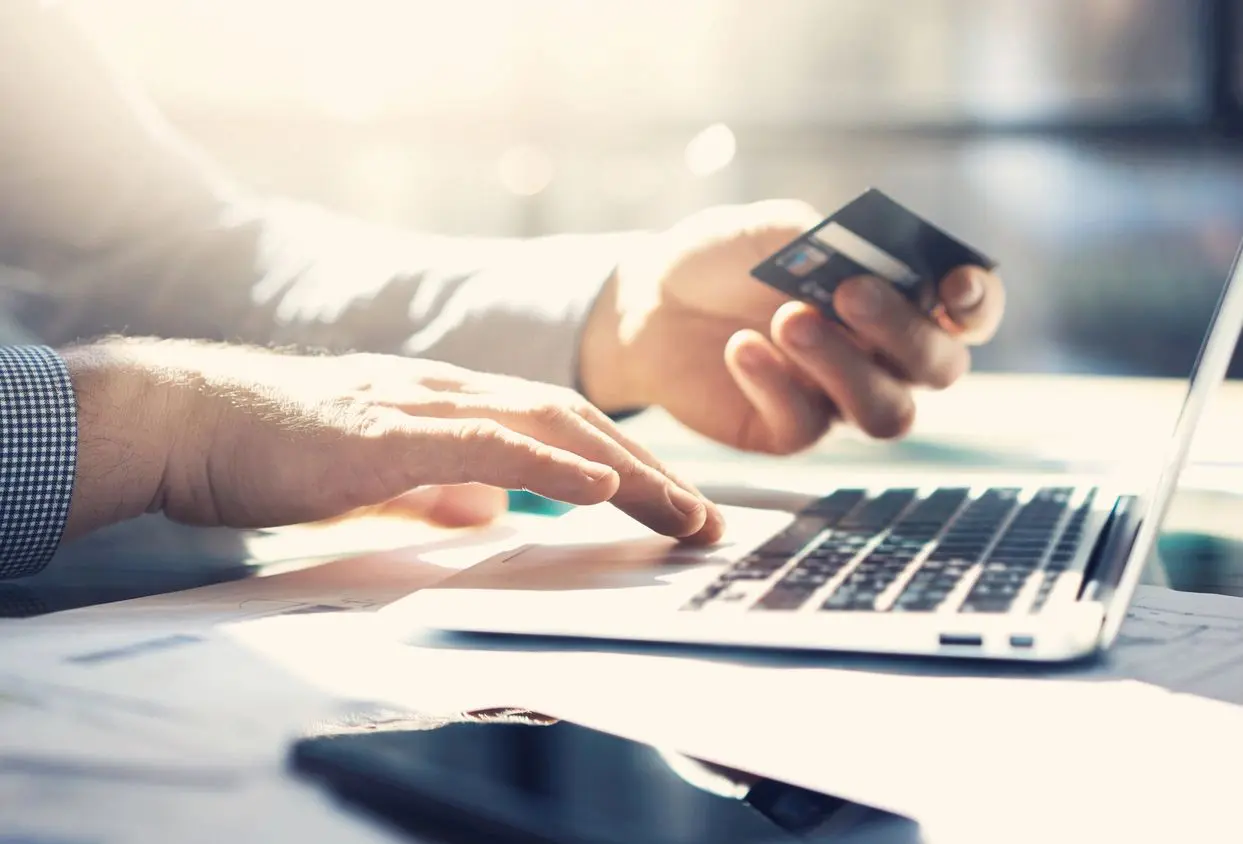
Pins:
x: 597, y: 472
x: 804, y: 331
x: 683, y: 501
x: 969, y: 292
x: 862, y: 298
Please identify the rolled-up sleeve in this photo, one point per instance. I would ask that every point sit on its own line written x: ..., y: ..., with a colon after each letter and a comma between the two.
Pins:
x: 135, y: 231
x: 38, y: 456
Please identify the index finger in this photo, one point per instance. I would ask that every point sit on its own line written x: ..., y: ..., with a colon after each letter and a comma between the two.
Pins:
x: 973, y: 301
x: 425, y: 451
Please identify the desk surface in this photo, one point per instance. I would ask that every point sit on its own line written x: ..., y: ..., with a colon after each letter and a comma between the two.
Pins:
x: 989, y: 423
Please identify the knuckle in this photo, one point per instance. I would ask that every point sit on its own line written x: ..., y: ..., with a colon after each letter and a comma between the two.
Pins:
x: 567, y: 400
x: 578, y: 404
x: 480, y: 432
x: 474, y: 457
x: 550, y: 413
x: 543, y: 454
x: 355, y: 417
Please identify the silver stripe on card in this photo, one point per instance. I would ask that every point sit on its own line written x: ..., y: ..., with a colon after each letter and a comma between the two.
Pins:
x: 865, y: 254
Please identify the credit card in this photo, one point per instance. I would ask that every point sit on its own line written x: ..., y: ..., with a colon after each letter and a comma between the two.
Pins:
x: 870, y: 235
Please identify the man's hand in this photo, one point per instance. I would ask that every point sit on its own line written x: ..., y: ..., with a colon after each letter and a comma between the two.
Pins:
x: 683, y: 325
x: 216, y: 435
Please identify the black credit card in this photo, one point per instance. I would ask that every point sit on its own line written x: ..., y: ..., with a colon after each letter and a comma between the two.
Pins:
x: 870, y: 235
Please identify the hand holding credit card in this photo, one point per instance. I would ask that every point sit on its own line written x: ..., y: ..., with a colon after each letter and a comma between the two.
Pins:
x: 871, y: 235
x: 683, y: 323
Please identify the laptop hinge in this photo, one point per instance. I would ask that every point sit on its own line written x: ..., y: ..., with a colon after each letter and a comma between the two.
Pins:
x: 1109, y: 556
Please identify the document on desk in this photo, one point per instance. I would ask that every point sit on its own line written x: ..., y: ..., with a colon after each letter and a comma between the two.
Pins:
x: 60, y: 807
x: 1185, y: 642
x: 360, y: 583
x: 970, y: 751
x: 50, y: 725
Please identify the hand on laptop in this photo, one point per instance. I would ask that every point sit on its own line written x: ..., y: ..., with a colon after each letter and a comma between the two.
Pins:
x: 243, y: 437
x: 684, y: 325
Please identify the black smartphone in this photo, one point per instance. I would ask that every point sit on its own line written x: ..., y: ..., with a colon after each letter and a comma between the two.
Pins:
x: 559, y: 784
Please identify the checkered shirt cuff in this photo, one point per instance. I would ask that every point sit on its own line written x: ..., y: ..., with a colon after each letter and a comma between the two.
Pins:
x: 38, y: 456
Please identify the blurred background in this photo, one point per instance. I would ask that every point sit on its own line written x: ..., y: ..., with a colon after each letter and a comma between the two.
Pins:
x: 1090, y: 146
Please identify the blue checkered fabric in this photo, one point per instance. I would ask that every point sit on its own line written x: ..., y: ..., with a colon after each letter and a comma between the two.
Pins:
x: 38, y: 456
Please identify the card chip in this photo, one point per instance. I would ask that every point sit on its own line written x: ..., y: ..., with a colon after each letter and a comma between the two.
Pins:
x: 801, y: 259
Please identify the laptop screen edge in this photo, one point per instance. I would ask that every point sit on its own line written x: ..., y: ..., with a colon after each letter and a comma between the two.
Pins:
x: 1207, y: 375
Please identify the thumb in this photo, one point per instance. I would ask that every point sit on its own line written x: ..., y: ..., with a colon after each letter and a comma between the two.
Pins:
x: 460, y: 505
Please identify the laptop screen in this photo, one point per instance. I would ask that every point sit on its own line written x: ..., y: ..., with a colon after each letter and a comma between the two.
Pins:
x: 1207, y: 374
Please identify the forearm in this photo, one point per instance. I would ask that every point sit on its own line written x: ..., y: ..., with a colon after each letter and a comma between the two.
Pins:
x: 298, y: 276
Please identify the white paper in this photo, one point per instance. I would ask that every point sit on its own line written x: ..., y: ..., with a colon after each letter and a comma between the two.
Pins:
x: 1183, y: 641
x: 1020, y: 759
x: 190, y: 684
x: 965, y: 750
x: 49, y: 722
x: 363, y: 582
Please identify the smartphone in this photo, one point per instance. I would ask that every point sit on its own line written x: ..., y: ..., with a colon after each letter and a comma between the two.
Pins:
x: 559, y: 784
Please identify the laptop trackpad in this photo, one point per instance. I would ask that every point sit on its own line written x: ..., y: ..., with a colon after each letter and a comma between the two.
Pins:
x: 602, y: 548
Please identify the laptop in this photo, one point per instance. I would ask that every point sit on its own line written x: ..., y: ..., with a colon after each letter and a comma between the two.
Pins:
x: 1006, y: 568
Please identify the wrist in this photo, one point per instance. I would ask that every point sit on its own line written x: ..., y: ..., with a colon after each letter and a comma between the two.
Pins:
x: 123, y: 435
x: 600, y: 349
x: 606, y: 353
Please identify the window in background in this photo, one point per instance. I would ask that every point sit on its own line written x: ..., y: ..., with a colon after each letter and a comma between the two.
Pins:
x: 790, y: 63
x: 527, y: 116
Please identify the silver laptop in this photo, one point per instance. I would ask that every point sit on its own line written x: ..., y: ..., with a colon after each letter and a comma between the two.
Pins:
x: 1003, y: 570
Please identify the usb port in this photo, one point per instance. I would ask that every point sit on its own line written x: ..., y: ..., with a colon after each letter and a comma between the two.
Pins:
x: 1022, y: 641
x: 961, y: 640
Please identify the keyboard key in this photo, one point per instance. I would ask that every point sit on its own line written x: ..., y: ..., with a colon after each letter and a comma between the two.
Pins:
x: 848, y: 599
x: 754, y: 567
x: 987, y: 605
x: 704, y: 596
x: 746, y: 574
x: 961, y: 547
x: 1018, y: 552
x: 805, y: 577
x: 878, y: 513
x: 890, y: 559
x: 836, y: 505
x: 1045, y: 589
x: 920, y: 600
x: 795, y: 536
x: 785, y: 597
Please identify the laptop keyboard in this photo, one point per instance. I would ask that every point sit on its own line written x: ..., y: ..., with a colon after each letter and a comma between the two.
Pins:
x: 907, y: 550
